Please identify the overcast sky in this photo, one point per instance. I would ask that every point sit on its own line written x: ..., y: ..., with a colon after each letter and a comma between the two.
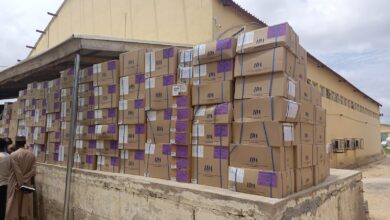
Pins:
x: 350, y: 36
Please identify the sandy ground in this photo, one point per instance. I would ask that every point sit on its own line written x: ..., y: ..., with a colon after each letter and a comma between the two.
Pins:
x: 376, y: 184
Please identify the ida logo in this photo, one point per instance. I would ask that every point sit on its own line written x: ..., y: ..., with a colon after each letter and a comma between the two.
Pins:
x: 158, y: 62
x: 256, y: 112
x: 131, y: 86
x: 131, y: 136
x: 257, y: 89
x: 209, y: 136
x: 253, y: 136
x: 212, y: 74
x: 157, y: 159
x: 208, y: 168
x: 160, y: 129
x: 131, y: 163
x: 209, y: 116
x: 210, y: 95
x: 210, y: 53
x: 250, y: 185
x: 260, y: 41
x: 130, y: 62
x: 257, y: 65
x: 253, y: 160
x: 159, y: 95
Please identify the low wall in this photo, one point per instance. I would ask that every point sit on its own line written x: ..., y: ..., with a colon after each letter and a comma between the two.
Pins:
x: 97, y: 195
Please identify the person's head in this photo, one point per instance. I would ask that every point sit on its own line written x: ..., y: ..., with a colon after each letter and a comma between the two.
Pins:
x: 3, y: 145
x: 20, y: 142
x: 8, y: 141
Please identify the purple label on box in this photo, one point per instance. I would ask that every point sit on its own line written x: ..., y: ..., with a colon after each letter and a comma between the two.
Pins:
x: 33, y: 113
x: 181, y: 126
x: 90, y: 86
x: 58, y: 115
x: 139, y: 155
x: 111, y: 65
x: 181, y: 151
x: 112, y: 112
x: 90, y: 71
x: 114, y: 145
x: 91, y: 100
x: 168, y: 114
x: 91, y: 129
x: 183, y: 114
x: 182, y: 101
x: 33, y: 101
x: 35, y: 85
x: 55, y: 157
x: 168, y: 80
x: 57, y: 135
x: 89, y: 159
x: 90, y: 114
x: 56, y: 146
x: 221, y: 153
x: 32, y: 129
x: 277, y: 30
x: 140, y: 129
x: 43, y: 111
x: 57, y: 95
x: 224, y: 66
x: 166, y: 149
x: 221, y: 130
x: 43, y: 130
x: 267, y: 179
x: 182, y: 176
x: 71, y: 71
x: 92, y: 144
x: 56, y: 105
x: 44, y: 103
x: 182, y: 163
x: 111, y: 89
x: 45, y: 84
x: 222, y: 109
x: 42, y: 146
x: 224, y: 44
x: 114, y: 161
x: 139, y: 78
x: 111, y: 129
x: 168, y: 52
x: 181, y: 138
x: 139, y: 103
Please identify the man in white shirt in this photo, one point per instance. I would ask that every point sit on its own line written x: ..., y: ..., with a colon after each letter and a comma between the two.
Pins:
x: 5, y: 167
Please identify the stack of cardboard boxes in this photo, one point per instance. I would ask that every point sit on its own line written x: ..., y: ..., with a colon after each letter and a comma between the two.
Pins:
x: 53, y: 123
x: 5, y: 122
x: 132, y: 122
x: 212, y: 95
x: 21, y: 113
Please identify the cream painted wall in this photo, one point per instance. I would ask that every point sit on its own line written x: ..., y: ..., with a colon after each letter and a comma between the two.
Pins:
x: 175, y: 21
x: 352, y: 123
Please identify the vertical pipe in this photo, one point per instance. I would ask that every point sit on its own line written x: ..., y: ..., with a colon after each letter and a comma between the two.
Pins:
x: 71, y: 136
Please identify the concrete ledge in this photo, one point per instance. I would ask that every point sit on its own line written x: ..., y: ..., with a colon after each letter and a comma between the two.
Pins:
x: 98, y: 195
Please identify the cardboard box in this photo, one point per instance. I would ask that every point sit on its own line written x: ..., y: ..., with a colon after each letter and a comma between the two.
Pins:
x: 86, y: 117
x: 185, y: 74
x: 260, y: 86
x: 39, y: 117
x: 132, y: 63
x: 213, y: 72
x: 132, y: 87
x: 185, y: 57
x: 157, y: 161
x: 275, y: 133
x: 39, y: 135
x: 66, y: 78
x: 182, y: 114
x: 266, y: 109
x: 65, y: 133
x: 108, y: 164
x: 321, y: 172
x: 106, y: 96
x: 85, y: 161
x: 304, y: 178
x: 212, y: 93
x: 264, y: 62
x: 106, y: 116
x: 66, y: 109
x: 22, y: 94
x: 86, y: 75
x: 106, y: 73
x: 106, y: 132
x: 85, y: 132
x: 132, y: 137
x: 133, y: 162
x: 131, y: 111
x: 214, y: 51
x: 158, y: 92
x: 210, y: 165
x: 305, y: 133
x: 212, y: 134
x: 107, y: 148
x: 180, y: 169
x: 320, y: 115
x: 303, y: 154
x: 53, y: 122
x: 85, y: 89
x: 306, y: 113
x: 54, y: 85
x: 261, y: 157
x: 316, y: 96
x: 182, y: 133
x: 319, y: 137
x: 267, y: 38
x: 53, y: 147
x: 320, y: 153
x: 54, y: 103
x: 89, y: 147
x: 301, y: 64
x: 161, y: 62
x: 304, y: 92
x: 39, y: 151
x: 86, y: 102
x: 182, y: 151
x: 219, y: 113
x: 181, y: 96
x: 262, y: 183
x: 54, y: 136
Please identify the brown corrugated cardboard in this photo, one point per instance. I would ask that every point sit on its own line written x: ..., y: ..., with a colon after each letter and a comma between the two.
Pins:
x: 182, y: 151
x: 304, y: 178
x: 320, y: 153
x: 185, y: 57
x: 212, y: 134
x: 53, y: 122
x: 219, y: 113
x: 160, y: 127
x: 106, y: 96
x: 39, y: 135
x: 158, y: 92
x: 66, y: 108
x: 266, y: 109
x: 106, y: 132
x: 305, y: 133
x: 180, y: 169
x: 39, y: 117
x: 266, y: 85
x: 86, y: 117
x: 306, y: 113
x: 132, y: 137
x: 320, y: 115
x: 212, y: 72
x: 131, y: 111
x: 54, y: 136
x: 267, y: 38
x: 85, y: 161
x: 86, y: 75
x: 269, y: 61
x: 106, y: 116
x: 132, y: 162
x: 210, y: 165
x: 304, y: 92
x: 263, y: 183
x: 106, y: 73
x: 161, y: 62
x: 53, y: 85
x: 53, y: 147
x: 108, y: 164
x: 107, y: 148
x: 214, y: 51
x: 157, y: 161
x: 316, y: 96
x: 86, y: 89
x: 321, y: 172
x: 132, y: 87
x: 212, y: 93
x: 261, y: 157
x: 85, y: 132
x: 301, y: 64
x: 274, y: 133
x: 89, y: 146
x: 319, y: 134
x: 132, y: 63
x: 66, y: 78
x: 303, y: 154
x: 86, y: 102
x: 181, y: 96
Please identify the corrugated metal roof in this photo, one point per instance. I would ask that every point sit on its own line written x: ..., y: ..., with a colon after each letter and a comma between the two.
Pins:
x: 242, y: 10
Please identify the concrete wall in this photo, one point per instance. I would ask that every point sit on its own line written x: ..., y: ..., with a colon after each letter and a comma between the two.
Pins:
x: 97, y: 195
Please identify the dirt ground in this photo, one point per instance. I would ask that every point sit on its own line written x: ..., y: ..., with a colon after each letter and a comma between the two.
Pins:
x: 376, y: 184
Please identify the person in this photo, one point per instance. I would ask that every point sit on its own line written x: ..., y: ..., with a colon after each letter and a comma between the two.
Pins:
x: 20, y: 204
x: 10, y: 146
x: 5, y: 166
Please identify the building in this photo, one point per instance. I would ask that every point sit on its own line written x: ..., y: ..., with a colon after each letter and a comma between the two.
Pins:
x: 101, y: 29
x: 385, y: 132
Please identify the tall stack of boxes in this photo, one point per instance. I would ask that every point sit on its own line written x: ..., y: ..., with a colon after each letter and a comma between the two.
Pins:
x: 21, y: 113
x: 5, y: 122
x: 53, y: 120
x: 212, y: 96
x: 131, y: 118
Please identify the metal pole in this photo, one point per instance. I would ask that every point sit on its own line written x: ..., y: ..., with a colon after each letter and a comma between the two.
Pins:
x: 71, y: 136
